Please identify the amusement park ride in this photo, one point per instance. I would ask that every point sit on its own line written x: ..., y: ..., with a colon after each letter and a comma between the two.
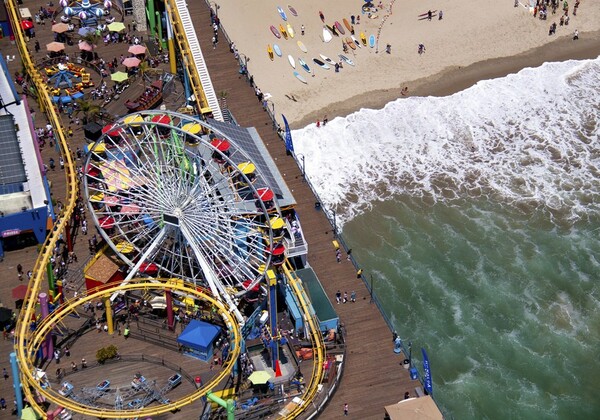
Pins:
x: 172, y: 192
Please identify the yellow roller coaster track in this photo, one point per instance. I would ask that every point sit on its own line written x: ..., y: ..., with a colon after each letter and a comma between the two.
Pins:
x: 175, y: 285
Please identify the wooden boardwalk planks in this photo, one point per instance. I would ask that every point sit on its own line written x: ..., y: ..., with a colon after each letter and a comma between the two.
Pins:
x: 373, y: 376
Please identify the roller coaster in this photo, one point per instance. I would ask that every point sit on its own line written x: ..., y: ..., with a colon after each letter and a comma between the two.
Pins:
x: 29, y: 341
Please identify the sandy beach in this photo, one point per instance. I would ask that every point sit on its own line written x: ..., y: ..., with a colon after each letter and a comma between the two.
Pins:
x: 469, y: 44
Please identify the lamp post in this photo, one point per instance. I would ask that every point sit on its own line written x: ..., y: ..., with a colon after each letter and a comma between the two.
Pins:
x: 334, y: 219
x: 217, y: 7
x: 302, y: 170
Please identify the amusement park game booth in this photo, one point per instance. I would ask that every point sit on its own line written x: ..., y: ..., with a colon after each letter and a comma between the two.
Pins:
x: 197, y: 339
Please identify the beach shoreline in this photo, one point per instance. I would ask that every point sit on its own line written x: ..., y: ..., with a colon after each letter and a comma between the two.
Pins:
x: 453, y: 80
x: 458, y: 50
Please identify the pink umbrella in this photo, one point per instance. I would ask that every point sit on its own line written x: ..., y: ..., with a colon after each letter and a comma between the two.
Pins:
x: 137, y: 49
x: 84, y: 46
x: 131, y: 62
x: 59, y: 28
x: 55, y: 46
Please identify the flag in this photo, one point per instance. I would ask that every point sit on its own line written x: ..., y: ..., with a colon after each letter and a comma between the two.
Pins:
x: 289, y: 145
x: 427, y: 383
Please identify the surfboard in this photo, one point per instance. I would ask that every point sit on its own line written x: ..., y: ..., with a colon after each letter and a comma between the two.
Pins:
x: 347, y: 25
x: 302, y: 79
x: 350, y: 43
x: 277, y: 50
x: 270, y: 51
x: 426, y: 13
x: 346, y: 59
x: 302, y: 46
x: 427, y: 17
x: 292, y: 10
x: 283, y: 31
x: 281, y: 13
x: 363, y: 38
x: 322, y: 16
x: 304, y: 65
x: 326, y: 59
x: 356, y: 41
x: 275, y: 31
x: 372, y: 41
x: 321, y: 64
x: 326, y: 34
x: 339, y: 27
x: 290, y: 30
x: 292, y: 61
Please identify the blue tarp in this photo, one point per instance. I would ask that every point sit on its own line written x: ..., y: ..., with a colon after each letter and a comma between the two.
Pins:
x: 198, y: 334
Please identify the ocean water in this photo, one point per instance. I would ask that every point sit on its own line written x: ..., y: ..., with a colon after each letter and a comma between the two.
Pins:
x: 478, y: 216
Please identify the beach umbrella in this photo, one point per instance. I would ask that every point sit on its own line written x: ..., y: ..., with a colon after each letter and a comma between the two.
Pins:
x: 131, y: 62
x: 55, y: 46
x: 137, y: 49
x: 84, y: 46
x: 26, y: 24
x: 116, y: 26
x: 29, y: 413
x: 59, y: 28
x: 119, y: 76
x: 86, y: 30
x: 259, y: 377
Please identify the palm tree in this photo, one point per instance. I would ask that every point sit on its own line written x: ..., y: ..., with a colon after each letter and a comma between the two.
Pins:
x: 89, y: 110
x: 223, y: 95
x: 91, y: 38
x: 143, y: 69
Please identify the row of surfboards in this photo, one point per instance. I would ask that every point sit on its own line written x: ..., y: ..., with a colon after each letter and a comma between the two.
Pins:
x: 324, y: 62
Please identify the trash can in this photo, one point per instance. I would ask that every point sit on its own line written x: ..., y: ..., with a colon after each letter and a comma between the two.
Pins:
x: 414, y: 374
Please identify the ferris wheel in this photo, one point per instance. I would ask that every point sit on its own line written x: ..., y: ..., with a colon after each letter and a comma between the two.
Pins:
x: 174, y: 197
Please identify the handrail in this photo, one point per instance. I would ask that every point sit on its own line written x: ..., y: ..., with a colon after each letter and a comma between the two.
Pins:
x: 189, y: 62
x: 23, y: 346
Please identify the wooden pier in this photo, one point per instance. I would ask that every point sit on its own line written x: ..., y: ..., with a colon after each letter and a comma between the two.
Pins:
x: 373, y: 375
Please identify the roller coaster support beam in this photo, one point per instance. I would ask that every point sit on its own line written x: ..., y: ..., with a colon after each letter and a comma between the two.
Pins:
x: 228, y: 405
x: 150, y: 16
x: 109, y: 315
x: 59, y: 291
x: 16, y: 383
x: 48, y: 347
x: 50, y: 272
x: 171, y: 45
x: 169, y: 303
x: 274, y: 343
x: 159, y: 39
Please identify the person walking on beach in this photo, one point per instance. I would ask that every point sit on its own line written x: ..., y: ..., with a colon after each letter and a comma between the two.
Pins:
x: 345, y: 409
x: 338, y: 296
x: 429, y: 14
x: 576, y: 35
x: 353, y: 297
x: 421, y: 49
x: 302, y: 30
x: 440, y: 15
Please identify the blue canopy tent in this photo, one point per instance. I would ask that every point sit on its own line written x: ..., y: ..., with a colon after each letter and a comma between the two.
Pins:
x: 197, y: 339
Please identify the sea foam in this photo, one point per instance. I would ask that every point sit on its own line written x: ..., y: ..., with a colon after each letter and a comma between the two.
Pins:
x: 528, y: 140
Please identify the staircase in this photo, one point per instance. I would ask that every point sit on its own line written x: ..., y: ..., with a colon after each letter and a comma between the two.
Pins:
x: 194, y: 54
